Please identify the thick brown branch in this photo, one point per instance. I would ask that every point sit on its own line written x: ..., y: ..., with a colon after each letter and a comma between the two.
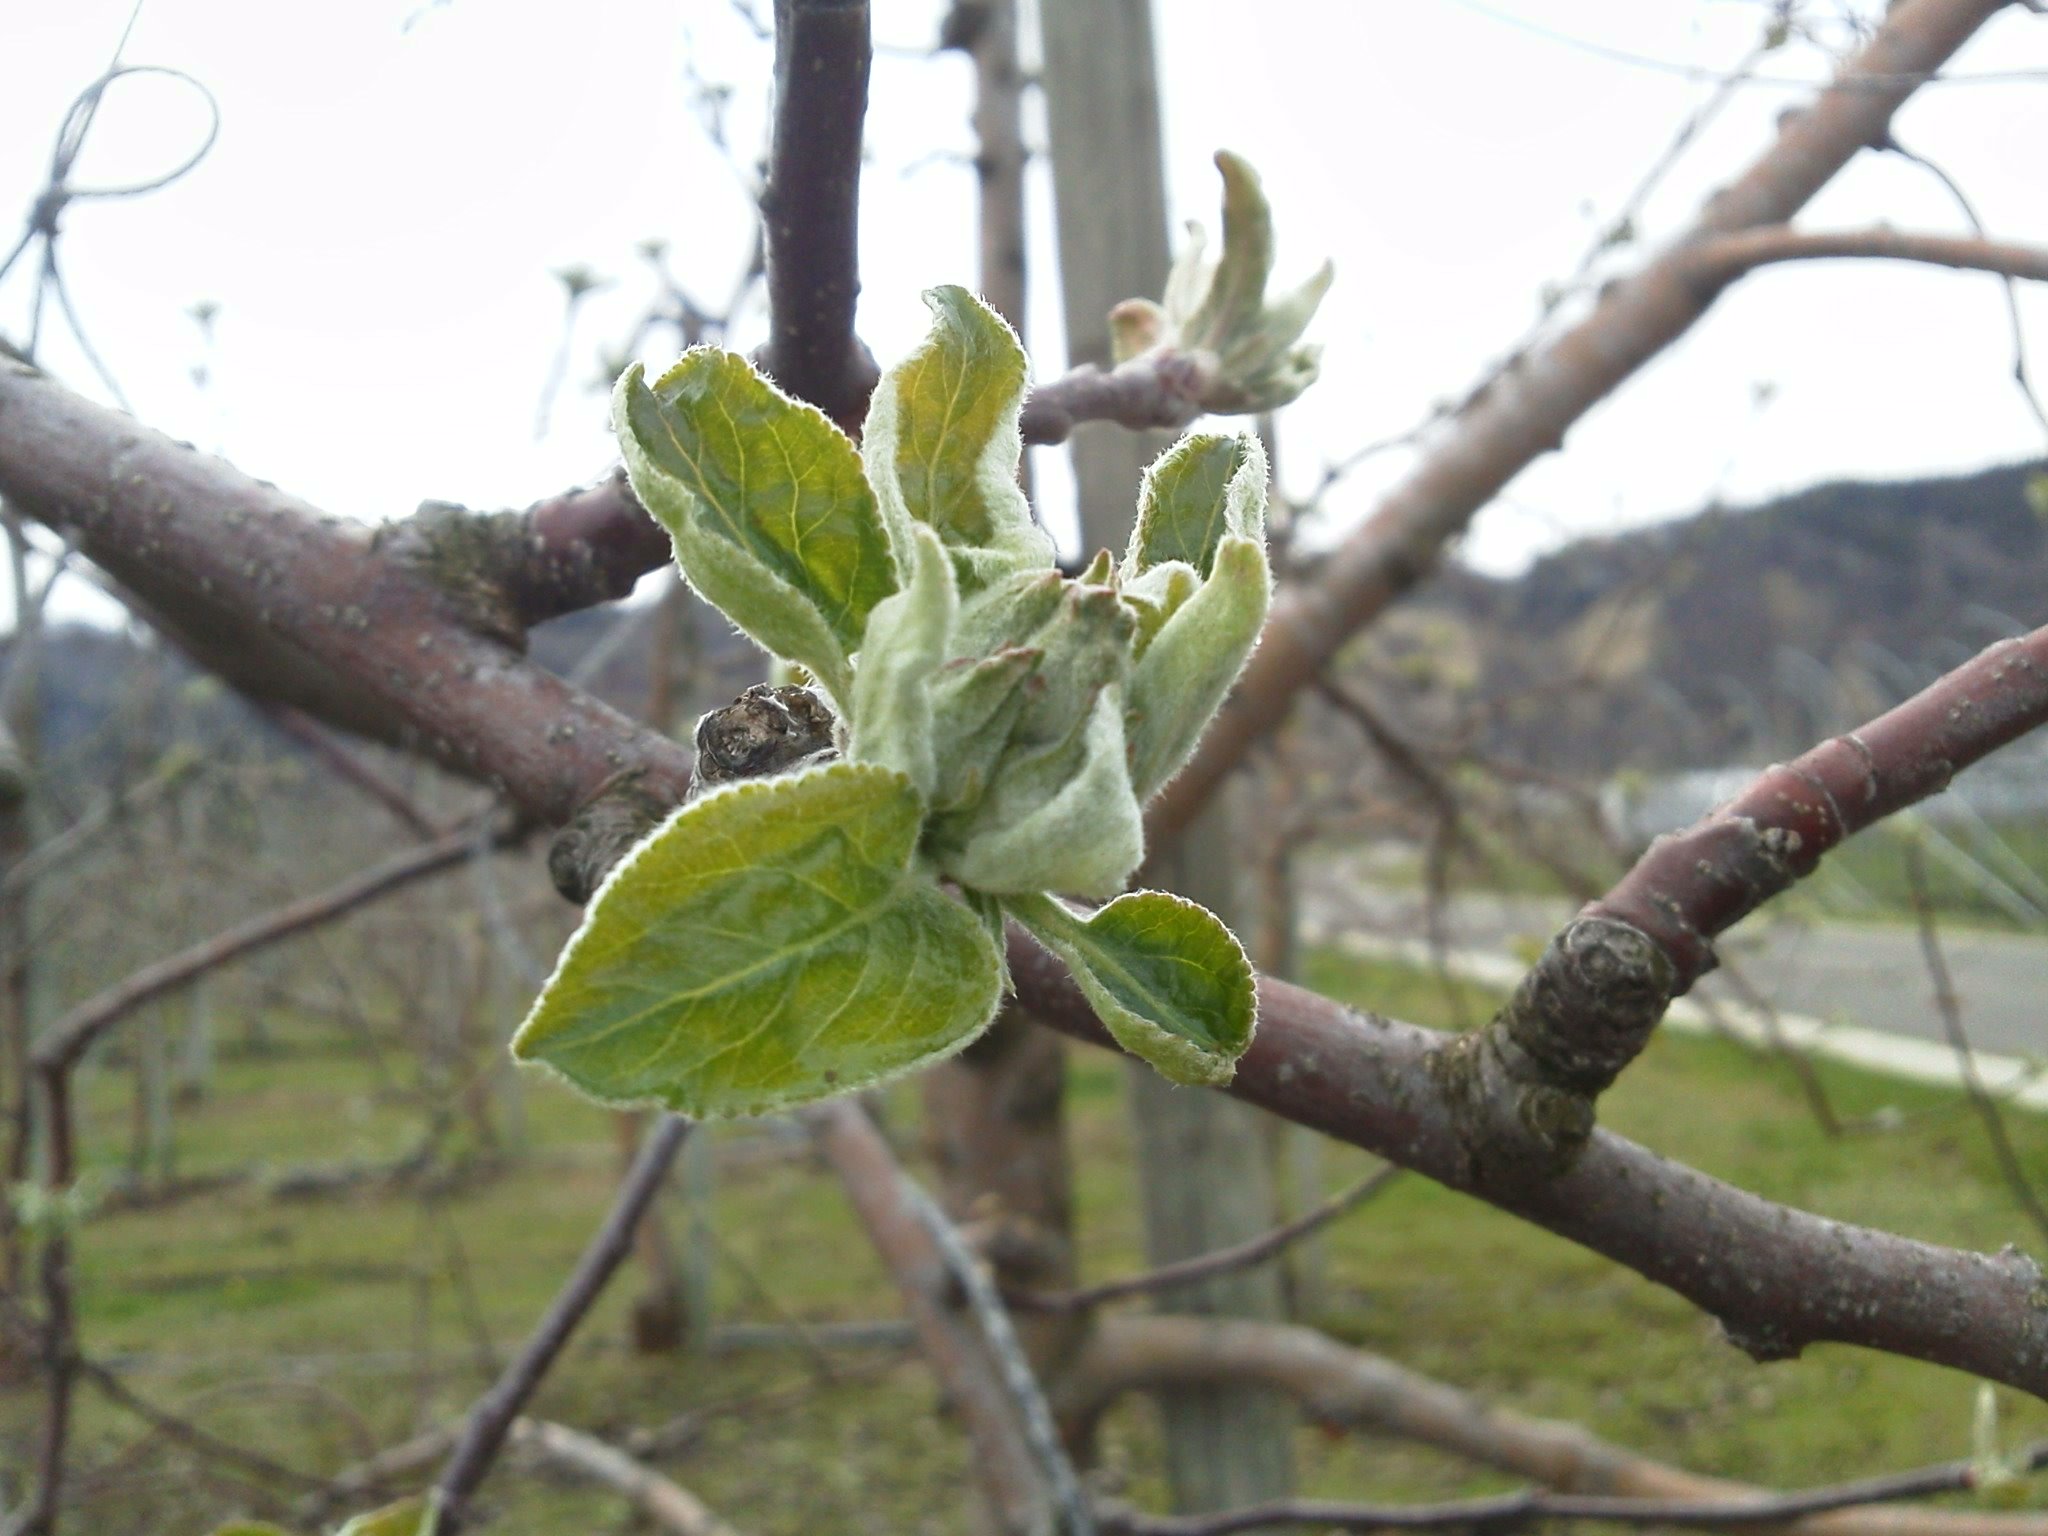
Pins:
x: 508, y: 571
x: 1778, y: 1279
x: 1352, y: 1389
x: 1526, y: 1085
x: 812, y: 206
x: 1528, y: 1082
x: 1695, y: 884
x: 1527, y: 411
x: 290, y: 605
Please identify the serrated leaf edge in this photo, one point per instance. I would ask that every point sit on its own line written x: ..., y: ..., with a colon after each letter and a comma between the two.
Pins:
x: 915, y: 874
x: 1176, y: 1057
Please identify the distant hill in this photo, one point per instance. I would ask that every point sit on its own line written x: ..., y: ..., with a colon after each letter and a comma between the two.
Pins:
x: 1736, y: 635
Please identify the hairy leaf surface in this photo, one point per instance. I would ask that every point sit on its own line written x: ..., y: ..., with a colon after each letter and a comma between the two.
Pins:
x: 771, y: 944
x: 1058, y: 812
x: 1166, y: 978
x: 772, y: 517
x: 1061, y: 820
x: 1202, y: 490
x: 906, y: 643
x: 1181, y: 680
x: 942, y: 443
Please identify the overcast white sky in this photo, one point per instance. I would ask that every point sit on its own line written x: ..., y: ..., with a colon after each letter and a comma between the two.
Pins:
x: 380, y: 217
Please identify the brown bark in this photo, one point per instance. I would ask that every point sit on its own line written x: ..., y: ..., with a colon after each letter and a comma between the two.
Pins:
x: 811, y: 206
x: 1592, y: 1001
x: 1777, y: 1279
x: 294, y: 606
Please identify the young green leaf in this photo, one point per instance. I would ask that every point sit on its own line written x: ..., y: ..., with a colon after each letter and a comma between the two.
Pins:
x: 1167, y: 979
x: 975, y: 709
x: 1201, y: 490
x: 1156, y: 597
x: 408, y: 1517
x: 1181, y: 680
x: 1009, y: 613
x: 906, y: 643
x: 1241, y: 345
x: 1265, y: 356
x: 990, y: 910
x: 942, y: 443
x: 772, y: 517
x: 771, y: 943
x: 1058, y: 813
x: 1237, y: 285
x: 1064, y: 820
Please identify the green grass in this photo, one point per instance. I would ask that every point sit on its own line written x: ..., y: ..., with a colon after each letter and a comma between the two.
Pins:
x: 317, y: 1332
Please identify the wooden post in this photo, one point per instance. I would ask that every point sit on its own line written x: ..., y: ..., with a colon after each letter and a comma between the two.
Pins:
x: 1204, y: 1159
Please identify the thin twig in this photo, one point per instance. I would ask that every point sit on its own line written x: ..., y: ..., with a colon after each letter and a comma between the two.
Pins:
x: 1203, y: 1266
x: 1872, y: 81
x: 1728, y: 257
x: 171, y: 770
x: 659, y: 1500
x: 188, y: 1434
x: 1004, y: 1463
x: 39, y: 1516
x: 490, y: 1420
x: 1798, y: 1062
x: 67, y: 1039
x: 1950, y: 1008
x: 1518, y: 1511
x: 352, y: 769
x: 1070, y: 1504
x: 2012, y: 299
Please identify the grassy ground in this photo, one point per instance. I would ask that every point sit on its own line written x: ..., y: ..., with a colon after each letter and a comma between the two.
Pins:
x: 316, y: 1332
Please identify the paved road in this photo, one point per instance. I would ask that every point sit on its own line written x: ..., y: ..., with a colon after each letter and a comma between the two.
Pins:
x: 1868, y: 975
